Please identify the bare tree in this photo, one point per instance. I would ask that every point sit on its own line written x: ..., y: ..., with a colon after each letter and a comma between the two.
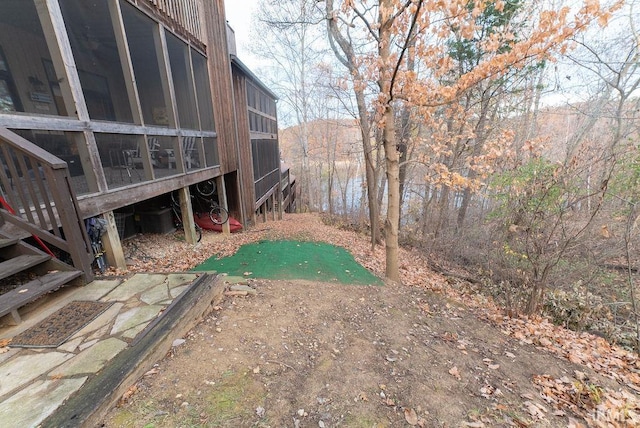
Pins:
x: 341, y: 44
x: 288, y: 35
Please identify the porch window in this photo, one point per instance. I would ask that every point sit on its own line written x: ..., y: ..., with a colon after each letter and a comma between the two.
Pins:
x: 8, y: 99
x: 143, y: 36
x: 182, y: 82
x: 23, y: 79
x: 203, y: 91
x: 97, y: 58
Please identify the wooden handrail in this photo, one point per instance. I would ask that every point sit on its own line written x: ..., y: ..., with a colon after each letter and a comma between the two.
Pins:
x: 35, y: 152
x: 37, y: 185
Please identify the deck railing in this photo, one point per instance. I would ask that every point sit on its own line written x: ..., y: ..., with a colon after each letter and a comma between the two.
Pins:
x: 182, y: 15
x: 40, y: 200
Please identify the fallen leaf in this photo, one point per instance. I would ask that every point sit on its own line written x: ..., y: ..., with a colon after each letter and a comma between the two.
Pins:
x: 128, y: 394
x: 455, y: 372
x: 574, y: 424
x: 535, y: 410
x: 545, y: 342
x: 574, y: 358
x: 410, y: 416
x: 153, y: 371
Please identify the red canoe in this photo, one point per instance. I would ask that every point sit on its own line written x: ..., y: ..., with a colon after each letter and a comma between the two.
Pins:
x: 204, y: 221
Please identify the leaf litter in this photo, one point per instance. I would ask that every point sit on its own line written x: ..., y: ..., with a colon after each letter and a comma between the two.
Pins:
x: 607, y: 396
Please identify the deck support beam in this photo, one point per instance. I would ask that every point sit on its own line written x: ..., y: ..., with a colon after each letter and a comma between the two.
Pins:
x: 112, y: 244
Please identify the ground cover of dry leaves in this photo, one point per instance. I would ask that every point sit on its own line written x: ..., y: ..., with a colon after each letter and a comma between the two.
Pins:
x: 429, y: 352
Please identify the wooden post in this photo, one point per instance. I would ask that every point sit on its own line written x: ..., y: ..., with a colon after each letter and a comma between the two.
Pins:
x: 72, y: 222
x: 222, y: 200
x: 273, y: 206
x: 111, y: 243
x: 187, y: 216
x: 280, y: 201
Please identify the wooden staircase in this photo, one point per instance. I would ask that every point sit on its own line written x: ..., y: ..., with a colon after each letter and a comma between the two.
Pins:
x: 37, y: 200
x: 28, y: 273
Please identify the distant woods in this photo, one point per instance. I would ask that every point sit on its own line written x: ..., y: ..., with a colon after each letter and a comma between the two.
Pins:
x: 499, y: 136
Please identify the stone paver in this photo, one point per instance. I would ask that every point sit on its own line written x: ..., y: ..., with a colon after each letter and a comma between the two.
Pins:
x: 34, y: 404
x: 236, y: 280
x: 178, y: 279
x: 135, y: 317
x: 243, y: 288
x: 70, y: 345
x: 156, y: 294
x: 36, y: 382
x: 92, y: 359
x: 4, y: 357
x: 87, y: 344
x: 96, y: 289
x: 135, y: 285
x: 103, y: 331
x: 176, y: 291
x: 14, y: 375
x: 133, y: 331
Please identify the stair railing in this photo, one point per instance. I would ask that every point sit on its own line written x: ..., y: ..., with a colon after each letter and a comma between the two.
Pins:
x: 36, y: 184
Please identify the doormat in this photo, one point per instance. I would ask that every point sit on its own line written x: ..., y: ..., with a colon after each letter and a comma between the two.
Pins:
x: 54, y: 330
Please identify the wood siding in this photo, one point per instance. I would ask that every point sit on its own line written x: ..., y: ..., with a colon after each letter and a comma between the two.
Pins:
x: 221, y: 86
x: 246, y: 178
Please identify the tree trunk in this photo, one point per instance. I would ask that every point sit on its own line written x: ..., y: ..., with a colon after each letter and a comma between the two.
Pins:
x: 346, y: 55
x: 426, y: 202
x: 480, y: 138
x: 392, y: 221
x: 536, y: 298
x: 385, y: 84
x: 443, y: 203
x: 370, y: 169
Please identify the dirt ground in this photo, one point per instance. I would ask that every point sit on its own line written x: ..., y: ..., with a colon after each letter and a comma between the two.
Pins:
x: 305, y: 354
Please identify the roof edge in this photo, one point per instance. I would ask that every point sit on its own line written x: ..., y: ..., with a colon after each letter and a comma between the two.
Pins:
x: 246, y: 70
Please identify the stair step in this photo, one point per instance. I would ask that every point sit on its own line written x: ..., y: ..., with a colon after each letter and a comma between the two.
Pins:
x: 7, y: 242
x: 27, y: 293
x: 20, y: 263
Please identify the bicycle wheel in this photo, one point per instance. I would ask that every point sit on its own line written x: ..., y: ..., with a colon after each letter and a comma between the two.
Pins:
x: 206, y: 188
x: 175, y: 198
x: 219, y: 215
x: 198, y: 232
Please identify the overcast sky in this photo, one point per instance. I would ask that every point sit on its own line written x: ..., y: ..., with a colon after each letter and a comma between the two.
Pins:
x: 239, y: 17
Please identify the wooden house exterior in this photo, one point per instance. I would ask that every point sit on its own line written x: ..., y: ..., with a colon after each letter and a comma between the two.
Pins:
x: 140, y: 98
